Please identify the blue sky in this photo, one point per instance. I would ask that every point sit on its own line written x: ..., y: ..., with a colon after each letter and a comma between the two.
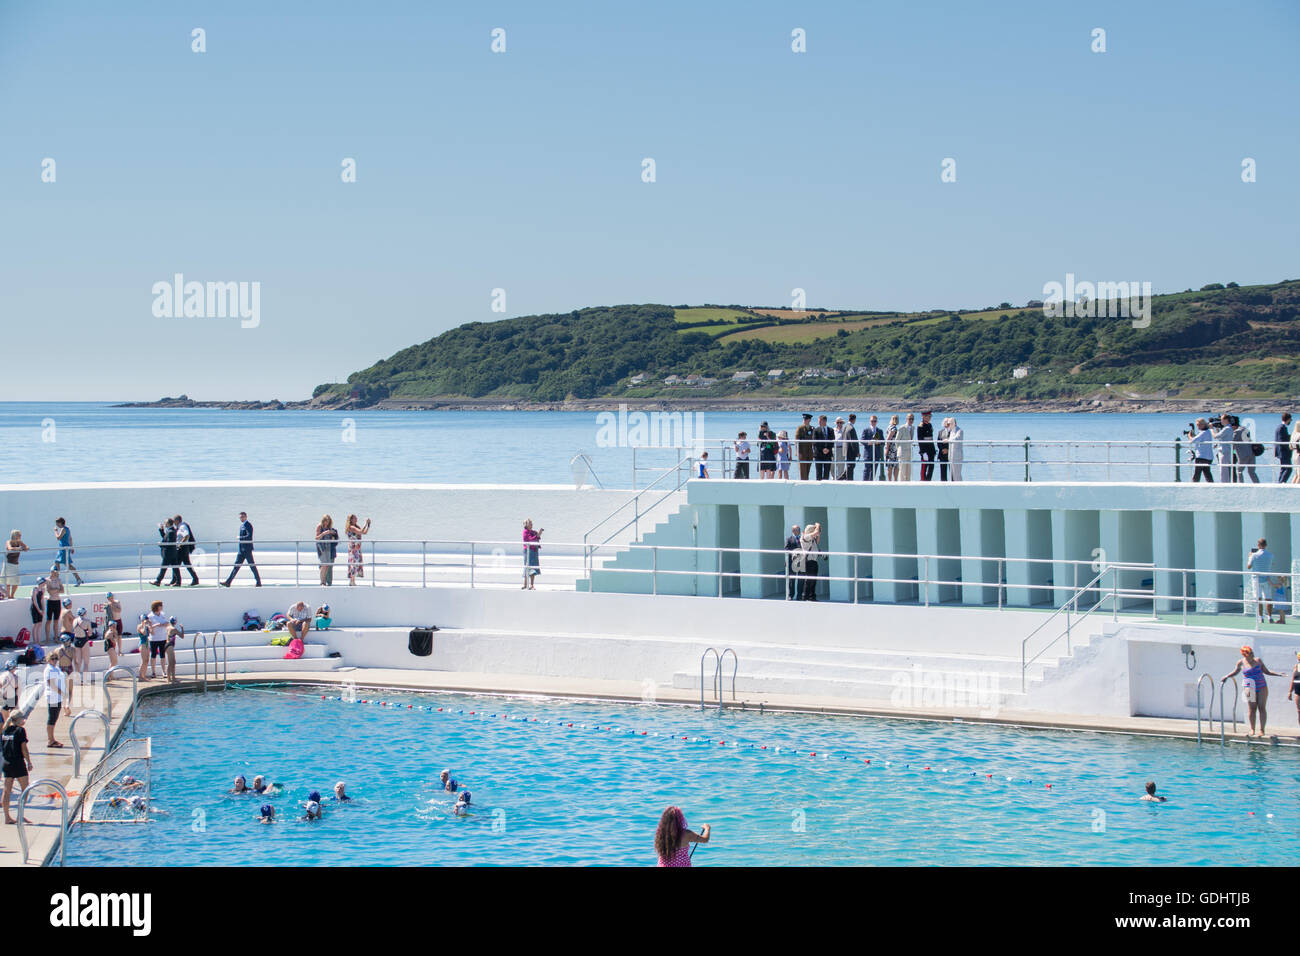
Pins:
x: 522, y: 170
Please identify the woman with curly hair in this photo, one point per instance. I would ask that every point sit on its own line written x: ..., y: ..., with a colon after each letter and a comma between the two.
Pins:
x: 673, y: 840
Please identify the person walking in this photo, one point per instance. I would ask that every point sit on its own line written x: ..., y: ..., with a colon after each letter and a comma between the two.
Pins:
x: 925, y: 446
x: 851, y: 447
x: 783, y: 455
x: 245, y: 555
x: 167, y: 545
x: 1282, y: 449
x: 793, y: 591
x: 1201, y: 448
x: 805, y: 445
x: 873, y: 450
x: 9, y: 574
x: 63, y: 535
x: 1260, y: 563
x: 906, y: 432
x: 532, y: 566
x: 891, y: 449
x: 355, y: 531
x: 766, y: 452
x: 1295, y: 453
x: 742, y: 450
x: 327, y: 548
x: 824, y: 437
x: 1244, y: 446
x: 956, y: 452
x: 184, y: 548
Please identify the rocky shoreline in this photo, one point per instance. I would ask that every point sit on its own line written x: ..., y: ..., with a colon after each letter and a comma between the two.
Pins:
x: 836, y: 403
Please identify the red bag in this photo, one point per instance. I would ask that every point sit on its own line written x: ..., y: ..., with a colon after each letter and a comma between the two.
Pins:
x: 24, y: 637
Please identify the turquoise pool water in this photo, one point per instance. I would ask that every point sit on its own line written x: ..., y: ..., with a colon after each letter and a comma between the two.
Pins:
x: 545, y: 792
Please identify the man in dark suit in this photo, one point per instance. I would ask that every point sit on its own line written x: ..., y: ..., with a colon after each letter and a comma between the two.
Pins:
x: 793, y: 591
x: 184, y: 548
x: 850, y: 447
x: 1282, y: 448
x: 824, y: 441
x: 925, y: 446
x: 804, y: 443
x: 873, y: 450
x: 167, y: 532
x: 245, y: 555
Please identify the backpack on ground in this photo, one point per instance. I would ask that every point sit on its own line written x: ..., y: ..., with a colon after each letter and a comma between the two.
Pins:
x: 24, y: 637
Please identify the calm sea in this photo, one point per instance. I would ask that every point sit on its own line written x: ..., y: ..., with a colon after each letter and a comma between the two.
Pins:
x: 47, y: 442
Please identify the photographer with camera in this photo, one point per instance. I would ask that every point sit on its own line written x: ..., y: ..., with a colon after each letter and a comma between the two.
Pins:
x: 1201, y: 448
x: 1224, y: 438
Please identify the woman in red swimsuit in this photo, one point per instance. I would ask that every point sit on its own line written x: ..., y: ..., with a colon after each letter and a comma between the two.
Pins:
x: 673, y: 841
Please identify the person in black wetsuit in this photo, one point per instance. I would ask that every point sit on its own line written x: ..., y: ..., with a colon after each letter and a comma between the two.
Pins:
x: 925, y: 446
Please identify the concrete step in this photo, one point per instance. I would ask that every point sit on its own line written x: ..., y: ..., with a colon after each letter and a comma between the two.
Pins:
x: 939, y: 695
x: 870, y: 669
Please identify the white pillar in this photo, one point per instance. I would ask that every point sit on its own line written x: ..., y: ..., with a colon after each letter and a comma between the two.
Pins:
x: 1167, y: 583
x: 973, y: 572
x: 1206, y: 533
x: 751, y: 541
x: 927, y: 542
x: 883, y: 541
x: 1018, y: 546
x: 707, y: 535
x: 836, y: 538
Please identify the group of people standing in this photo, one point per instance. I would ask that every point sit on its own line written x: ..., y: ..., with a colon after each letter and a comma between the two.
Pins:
x: 832, y: 453
x: 327, y: 548
x: 1227, y: 442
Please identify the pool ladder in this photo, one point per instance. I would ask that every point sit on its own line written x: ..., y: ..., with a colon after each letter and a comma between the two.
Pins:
x: 199, y: 638
x: 717, y: 672
x: 1236, y: 696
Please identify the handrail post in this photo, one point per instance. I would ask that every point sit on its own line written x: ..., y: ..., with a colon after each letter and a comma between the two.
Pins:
x: 424, y: 564
x: 855, y: 578
x: 1026, y: 458
x: 63, y: 821
x: 1178, y: 459
x: 654, y: 569
x: 926, y: 564
x: 1184, y: 597
x: 140, y: 564
x: 471, y: 566
x: 999, y: 573
x: 76, y: 744
x: 134, y: 694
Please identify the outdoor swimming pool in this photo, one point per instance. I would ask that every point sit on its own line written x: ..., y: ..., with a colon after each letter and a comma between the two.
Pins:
x: 553, y: 794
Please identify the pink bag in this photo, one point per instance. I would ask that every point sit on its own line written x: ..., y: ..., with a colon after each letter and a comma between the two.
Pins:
x: 295, y: 650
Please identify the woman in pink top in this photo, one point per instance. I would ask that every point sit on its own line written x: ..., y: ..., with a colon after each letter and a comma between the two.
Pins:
x: 532, y: 541
x: 673, y: 841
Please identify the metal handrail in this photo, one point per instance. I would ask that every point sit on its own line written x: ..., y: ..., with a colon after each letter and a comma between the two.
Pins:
x: 717, y: 662
x: 135, y: 694
x: 735, y: 665
x: 76, y: 744
x: 1071, y: 603
x: 1200, y: 680
x: 676, y: 469
x: 225, y: 660
x: 63, y: 824
x: 200, y: 639
x: 1236, y: 694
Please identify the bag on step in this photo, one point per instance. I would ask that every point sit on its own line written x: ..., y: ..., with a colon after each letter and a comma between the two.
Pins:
x: 420, y: 642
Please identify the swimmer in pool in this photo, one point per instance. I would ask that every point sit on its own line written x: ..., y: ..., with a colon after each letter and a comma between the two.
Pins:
x: 241, y: 785
x: 1150, y: 795
x: 340, y: 792
x: 462, y: 804
x: 268, y: 814
x: 313, y: 810
x: 448, y: 784
x: 126, y: 783
x: 261, y: 786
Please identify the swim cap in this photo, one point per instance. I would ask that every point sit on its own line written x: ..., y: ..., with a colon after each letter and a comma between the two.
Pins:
x: 1247, y: 649
x: 241, y: 779
x: 313, y: 797
x: 464, y: 797
x: 108, y: 595
x: 267, y: 810
x: 81, y: 612
x: 128, y: 779
x: 54, y: 568
x: 67, y: 602
x: 171, y: 620
x: 13, y: 665
x: 143, y: 616
x: 325, y: 608
x: 313, y: 807
x: 41, y: 580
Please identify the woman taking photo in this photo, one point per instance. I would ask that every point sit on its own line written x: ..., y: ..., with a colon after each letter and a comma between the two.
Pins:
x: 354, y: 531
x: 532, y: 568
x: 1254, y: 687
x: 673, y: 841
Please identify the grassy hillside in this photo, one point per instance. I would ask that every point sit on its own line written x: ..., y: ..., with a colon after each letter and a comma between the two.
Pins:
x: 1216, y: 343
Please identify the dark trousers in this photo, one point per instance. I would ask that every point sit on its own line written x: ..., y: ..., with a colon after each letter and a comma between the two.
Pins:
x: 804, y: 468
x: 245, y: 557
x: 185, y: 562
x: 168, y: 564
x: 848, y: 470
x: 868, y: 468
x: 943, y: 469
x: 742, y: 469
x: 810, y: 582
x: 1201, y: 469
x: 823, y: 469
x: 794, y: 590
x: 1284, y: 473
x: 927, y: 464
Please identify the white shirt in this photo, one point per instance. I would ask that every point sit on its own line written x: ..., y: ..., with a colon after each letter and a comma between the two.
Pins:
x: 54, y: 694
x: 300, y: 613
x: 742, y: 450
x: 157, y: 627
